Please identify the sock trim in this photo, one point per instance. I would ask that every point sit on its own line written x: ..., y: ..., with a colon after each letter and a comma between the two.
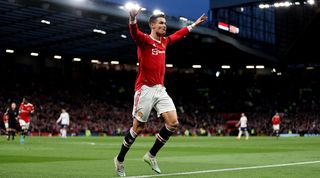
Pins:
x: 133, y: 133
x: 170, y: 129
x: 161, y: 139
x: 150, y: 155
x: 125, y: 144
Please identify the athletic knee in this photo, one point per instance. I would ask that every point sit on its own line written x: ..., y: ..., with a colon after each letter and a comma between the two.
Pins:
x: 172, y: 126
x: 138, y: 127
x: 138, y: 130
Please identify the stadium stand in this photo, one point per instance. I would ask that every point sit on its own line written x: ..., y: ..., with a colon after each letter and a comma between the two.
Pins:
x: 102, y: 103
x: 98, y: 96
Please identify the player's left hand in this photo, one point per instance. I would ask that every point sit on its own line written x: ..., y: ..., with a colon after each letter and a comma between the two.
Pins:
x: 200, y: 20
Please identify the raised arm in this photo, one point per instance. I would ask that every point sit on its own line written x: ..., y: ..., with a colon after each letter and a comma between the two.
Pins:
x: 6, y: 111
x: 133, y: 14
x: 200, y: 20
x: 184, y: 31
x: 32, y: 109
x: 137, y: 35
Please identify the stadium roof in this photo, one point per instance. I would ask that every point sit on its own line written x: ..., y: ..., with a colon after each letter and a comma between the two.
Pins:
x: 24, y: 26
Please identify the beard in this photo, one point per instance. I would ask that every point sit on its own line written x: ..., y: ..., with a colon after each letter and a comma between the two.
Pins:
x: 161, y: 34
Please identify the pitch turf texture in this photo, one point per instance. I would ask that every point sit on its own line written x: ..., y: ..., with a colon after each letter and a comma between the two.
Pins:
x: 259, y: 157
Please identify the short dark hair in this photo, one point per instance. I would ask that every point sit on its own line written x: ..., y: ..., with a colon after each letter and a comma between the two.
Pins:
x: 153, y: 18
x: 27, y: 98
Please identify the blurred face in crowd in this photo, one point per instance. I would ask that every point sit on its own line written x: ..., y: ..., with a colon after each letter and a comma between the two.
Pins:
x: 13, y: 106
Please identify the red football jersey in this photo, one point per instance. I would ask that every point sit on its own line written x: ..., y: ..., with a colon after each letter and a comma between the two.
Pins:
x: 152, y: 55
x: 275, y: 120
x: 25, y: 111
x: 5, y: 118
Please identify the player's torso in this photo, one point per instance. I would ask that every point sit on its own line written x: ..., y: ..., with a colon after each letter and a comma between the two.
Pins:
x: 153, y: 53
x: 25, y: 110
x: 13, y: 114
x: 243, y: 122
x: 64, y: 118
x: 276, y: 120
x: 152, y: 56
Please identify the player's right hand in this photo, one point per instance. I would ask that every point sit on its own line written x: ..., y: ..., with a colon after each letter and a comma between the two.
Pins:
x: 134, y: 12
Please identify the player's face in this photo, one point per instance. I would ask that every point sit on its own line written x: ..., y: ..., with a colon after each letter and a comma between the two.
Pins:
x: 13, y: 105
x: 160, y: 26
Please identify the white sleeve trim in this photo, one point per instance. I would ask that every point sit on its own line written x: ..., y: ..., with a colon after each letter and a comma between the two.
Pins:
x: 191, y: 27
x: 132, y: 22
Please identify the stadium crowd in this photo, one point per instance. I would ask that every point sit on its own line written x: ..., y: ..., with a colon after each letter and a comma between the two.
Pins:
x: 102, y: 103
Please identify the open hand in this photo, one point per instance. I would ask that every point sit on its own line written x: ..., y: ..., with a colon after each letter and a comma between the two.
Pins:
x: 200, y: 20
x: 134, y: 12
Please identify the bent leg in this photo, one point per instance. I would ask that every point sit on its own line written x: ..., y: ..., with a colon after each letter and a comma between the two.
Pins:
x: 171, y: 124
x: 129, y: 139
x: 240, y: 134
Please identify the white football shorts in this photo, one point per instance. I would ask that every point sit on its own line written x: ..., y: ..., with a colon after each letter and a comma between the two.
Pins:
x: 24, y: 125
x: 147, y: 98
x: 276, y: 127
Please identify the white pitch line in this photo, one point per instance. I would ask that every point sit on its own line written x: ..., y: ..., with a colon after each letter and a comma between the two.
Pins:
x: 226, y: 169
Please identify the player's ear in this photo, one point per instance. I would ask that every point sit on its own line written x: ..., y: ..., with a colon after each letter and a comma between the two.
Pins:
x: 151, y: 25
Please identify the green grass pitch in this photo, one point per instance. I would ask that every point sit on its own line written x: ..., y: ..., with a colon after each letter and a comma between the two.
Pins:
x: 84, y: 157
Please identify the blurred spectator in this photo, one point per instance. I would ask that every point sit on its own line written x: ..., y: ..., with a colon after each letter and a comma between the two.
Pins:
x: 101, y: 103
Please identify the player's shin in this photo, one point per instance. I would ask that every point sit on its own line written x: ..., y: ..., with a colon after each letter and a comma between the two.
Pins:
x: 22, y: 136
x: 9, y: 134
x: 240, y: 134
x: 13, y: 134
x: 64, y: 133
x: 127, y: 142
x: 161, y: 139
x: 247, y: 134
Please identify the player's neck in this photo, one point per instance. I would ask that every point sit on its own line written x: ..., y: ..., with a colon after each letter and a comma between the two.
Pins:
x: 155, y: 36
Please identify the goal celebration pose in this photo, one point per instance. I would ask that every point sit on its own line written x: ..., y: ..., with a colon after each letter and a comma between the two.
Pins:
x: 149, y: 86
